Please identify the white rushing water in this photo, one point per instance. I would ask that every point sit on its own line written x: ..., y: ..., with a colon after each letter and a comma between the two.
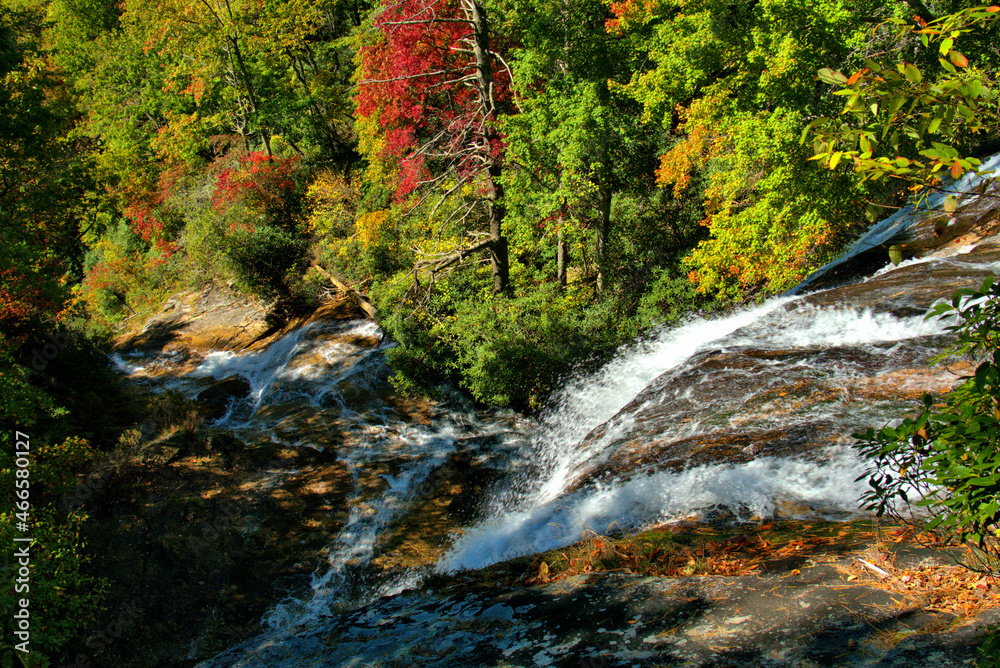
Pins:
x: 542, y: 516
x: 321, y: 366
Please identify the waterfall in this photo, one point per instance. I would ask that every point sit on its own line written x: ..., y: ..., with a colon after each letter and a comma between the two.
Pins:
x: 621, y: 448
x: 546, y: 515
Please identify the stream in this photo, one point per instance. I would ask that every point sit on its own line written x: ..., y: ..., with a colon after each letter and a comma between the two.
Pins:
x: 738, y: 418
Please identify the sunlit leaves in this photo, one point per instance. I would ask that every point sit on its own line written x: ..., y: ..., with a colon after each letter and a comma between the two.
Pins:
x: 415, y: 89
x: 731, y: 85
x: 889, y: 110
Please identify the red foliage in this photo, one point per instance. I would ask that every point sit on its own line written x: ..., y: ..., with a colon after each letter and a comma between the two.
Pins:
x: 630, y: 12
x: 144, y: 209
x: 416, y: 82
x: 260, y: 181
x: 20, y: 296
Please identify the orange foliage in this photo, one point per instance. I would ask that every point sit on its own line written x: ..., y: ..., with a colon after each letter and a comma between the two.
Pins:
x: 701, y: 143
x: 371, y: 226
x: 629, y: 13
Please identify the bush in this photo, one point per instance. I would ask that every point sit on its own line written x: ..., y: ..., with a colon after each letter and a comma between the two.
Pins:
x: 946, y: 460
x: 505, y: 351
x: 261, y: 257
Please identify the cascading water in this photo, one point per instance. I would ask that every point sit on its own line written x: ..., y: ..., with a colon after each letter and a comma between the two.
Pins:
x: 324, y: 386
x: 594, y: 415
x: 734, y: 418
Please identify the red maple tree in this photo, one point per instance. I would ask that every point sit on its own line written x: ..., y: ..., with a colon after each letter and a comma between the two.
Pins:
x: 435, y: 87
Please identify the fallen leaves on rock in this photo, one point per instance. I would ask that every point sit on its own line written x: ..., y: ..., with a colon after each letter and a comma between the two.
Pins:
x: 736, y: 555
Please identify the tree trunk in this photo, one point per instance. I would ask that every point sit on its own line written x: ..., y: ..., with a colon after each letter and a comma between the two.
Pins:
x: 605, y: 193
x: 561, y: 257
x: 600, y: 243
x: 499, y: 260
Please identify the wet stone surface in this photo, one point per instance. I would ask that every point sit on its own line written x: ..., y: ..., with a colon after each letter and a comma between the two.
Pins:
x: 736, y: 406
x: 803, y: 618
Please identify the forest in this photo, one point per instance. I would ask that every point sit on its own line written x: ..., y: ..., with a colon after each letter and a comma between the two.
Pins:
x: 519, y: 186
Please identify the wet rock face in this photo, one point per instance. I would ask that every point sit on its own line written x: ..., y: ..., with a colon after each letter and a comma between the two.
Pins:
x: 215, y: 401
x: 745, y: 400
x: 911, y: 290
x: 202, y: 534
x: 739, y: 405
x: 452, y: 495
x: 202, y: 528
x: 296, y: 460
x: 808, y: 618
x: 216, y: 318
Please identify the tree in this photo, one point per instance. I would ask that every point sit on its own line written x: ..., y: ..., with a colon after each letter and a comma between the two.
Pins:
x: 429, y: 92
x: 732, y: 84
x: 43, y: 179
x: 569, y: 139
x: 908, y: 122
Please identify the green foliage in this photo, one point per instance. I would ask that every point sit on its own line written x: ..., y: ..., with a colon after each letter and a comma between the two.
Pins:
x: 989, y: 650
x: 731, y: 84
x: 909, y: 122
x: 43, y: 176
x: 946, y: 460
x: 64, y: 598
x: 21, y: 403
x: 261, y: 258
x: 504, y: 351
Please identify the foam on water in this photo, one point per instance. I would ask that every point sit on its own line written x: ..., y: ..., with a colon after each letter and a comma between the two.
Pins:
x: 339, y: 583
x: 811, y: 326
x: 541, y: 516
x: 761, y: 488
x: 593, y: 400
x: 273, y: 372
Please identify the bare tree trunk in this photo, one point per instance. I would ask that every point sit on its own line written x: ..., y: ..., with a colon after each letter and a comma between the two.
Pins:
x: 499, y: 259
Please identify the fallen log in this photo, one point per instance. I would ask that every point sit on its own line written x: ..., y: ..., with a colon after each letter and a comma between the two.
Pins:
x: 351, y: 293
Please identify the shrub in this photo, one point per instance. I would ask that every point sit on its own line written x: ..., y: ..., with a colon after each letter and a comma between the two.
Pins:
x: 946, y: 460
x: 505, y: 351
x: 65, y: 600
x: 262, y: 256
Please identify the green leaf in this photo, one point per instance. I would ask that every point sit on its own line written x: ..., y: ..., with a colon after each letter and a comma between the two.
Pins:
x: 958, y: 59
x: 872, y: 212
x: 912, y: 73
x: 950, y: 203
x: 830, y: 76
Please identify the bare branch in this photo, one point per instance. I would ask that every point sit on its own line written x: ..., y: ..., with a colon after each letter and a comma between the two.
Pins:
x: 421, y: 75
x: 444, y: 260
x: 422, y: 21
